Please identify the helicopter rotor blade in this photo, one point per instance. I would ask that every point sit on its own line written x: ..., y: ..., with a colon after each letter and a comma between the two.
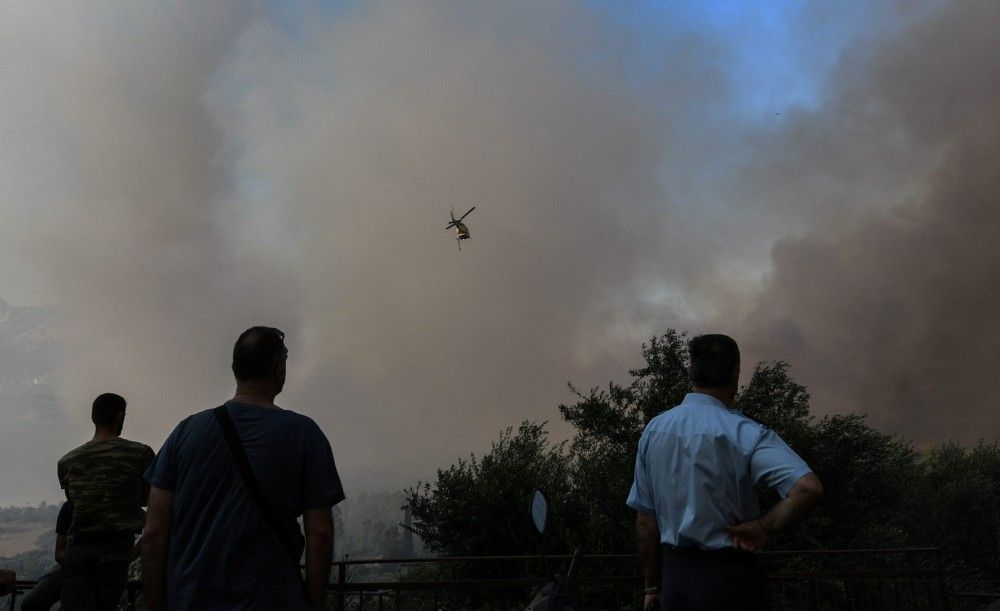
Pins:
x: 467, y: 213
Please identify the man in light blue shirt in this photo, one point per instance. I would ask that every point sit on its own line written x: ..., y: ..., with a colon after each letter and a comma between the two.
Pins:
x: 698, y: 519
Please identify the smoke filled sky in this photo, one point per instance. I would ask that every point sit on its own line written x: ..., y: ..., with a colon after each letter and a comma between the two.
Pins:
x: 819, y: 180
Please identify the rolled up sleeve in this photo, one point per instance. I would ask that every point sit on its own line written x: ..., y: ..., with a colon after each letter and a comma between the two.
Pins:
x: 776, y: 465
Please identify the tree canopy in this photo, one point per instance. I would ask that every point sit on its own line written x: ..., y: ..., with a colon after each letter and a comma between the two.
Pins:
x: 880, y: 491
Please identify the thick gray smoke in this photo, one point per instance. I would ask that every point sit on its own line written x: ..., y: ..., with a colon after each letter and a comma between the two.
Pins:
x: 417, y: 352
x: 122, y: 210
x: 886, y: 303
x: 182, y: 174
x: 173, y: 175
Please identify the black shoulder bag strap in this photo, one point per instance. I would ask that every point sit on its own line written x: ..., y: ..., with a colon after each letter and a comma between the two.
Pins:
x: 281, y: 530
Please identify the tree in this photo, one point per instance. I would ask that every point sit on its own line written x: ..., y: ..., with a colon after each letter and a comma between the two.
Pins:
x: 479, y: 506
x: 608, y: 425
x: 955, y: 503
x: 773, y: 398
x: 879, y: 491
x: 865, y: 473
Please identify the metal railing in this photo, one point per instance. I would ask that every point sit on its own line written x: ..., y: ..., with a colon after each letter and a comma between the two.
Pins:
x: 897, y: 578
x: 877, y: 579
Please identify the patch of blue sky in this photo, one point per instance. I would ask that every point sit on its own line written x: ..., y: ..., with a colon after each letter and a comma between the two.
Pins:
x: 776, y: 55
x: 750, y: 65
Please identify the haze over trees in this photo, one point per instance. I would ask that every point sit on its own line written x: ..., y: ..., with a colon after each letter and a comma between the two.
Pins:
x: 32, y: 557
x: 880, y: 492
x: 367, y: 526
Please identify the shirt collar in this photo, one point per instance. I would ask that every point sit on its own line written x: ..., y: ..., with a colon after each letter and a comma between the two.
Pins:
x: 699, y: 398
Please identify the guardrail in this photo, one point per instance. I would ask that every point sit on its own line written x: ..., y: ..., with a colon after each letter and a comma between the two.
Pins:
x: 877, y: 579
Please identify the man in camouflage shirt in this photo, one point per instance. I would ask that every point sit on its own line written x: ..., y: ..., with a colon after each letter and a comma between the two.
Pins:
x: 103, y: 479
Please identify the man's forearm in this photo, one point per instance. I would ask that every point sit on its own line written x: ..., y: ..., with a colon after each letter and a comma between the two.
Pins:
x: 154, y: 570
x: 60, y: 552
x: 319, y: 555
x: 804, y: 495
x: 155, y: 542
x: 318, y: 526
x: 647, y: 538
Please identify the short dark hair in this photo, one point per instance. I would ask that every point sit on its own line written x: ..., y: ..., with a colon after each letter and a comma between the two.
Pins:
x: 256, y: 353
x: 714, y: 358
x: 107, y: 408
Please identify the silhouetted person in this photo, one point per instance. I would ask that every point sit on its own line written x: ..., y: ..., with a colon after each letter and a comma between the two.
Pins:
x: 103, y: 480
x: 207, y: 542
x: 698, y: 520
x: 48, y: 590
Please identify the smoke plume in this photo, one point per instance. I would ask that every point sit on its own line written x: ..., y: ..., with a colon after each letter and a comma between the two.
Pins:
x: 175, y: 174
x: 889, y: 310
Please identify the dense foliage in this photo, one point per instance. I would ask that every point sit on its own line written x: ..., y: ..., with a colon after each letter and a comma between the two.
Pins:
x: 482, y: 503
x: 880, y: 492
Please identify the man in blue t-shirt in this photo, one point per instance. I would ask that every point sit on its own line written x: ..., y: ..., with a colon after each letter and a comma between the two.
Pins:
x: 207, y: 544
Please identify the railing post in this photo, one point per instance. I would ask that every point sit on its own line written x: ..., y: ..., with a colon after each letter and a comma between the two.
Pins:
x: 942, y: 581
x: 341, y: 579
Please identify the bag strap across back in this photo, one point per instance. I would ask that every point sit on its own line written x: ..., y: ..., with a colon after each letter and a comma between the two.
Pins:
x: 278, y: 526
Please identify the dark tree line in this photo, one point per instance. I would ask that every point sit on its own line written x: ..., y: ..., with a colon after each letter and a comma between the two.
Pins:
x: 880, y: 491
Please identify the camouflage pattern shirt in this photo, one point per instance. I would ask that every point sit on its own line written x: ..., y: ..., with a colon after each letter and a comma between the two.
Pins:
x: 103, y: 479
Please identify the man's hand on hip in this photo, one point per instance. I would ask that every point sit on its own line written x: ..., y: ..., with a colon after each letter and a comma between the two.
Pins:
x: 749, y: 536
x: 754, y: 534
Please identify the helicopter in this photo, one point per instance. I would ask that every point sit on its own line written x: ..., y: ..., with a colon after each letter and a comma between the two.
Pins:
x: 461, y: 231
